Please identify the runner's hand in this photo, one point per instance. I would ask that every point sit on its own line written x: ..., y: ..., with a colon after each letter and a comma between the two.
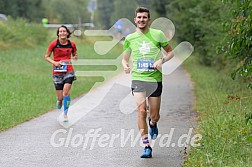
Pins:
x: 126, y: 69
x: 158, y: 64
x: 57, y: 64
x: 75, y: 57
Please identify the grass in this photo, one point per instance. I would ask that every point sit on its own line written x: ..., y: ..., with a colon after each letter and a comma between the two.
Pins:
x: 223, y: 106
x: 27, y: 90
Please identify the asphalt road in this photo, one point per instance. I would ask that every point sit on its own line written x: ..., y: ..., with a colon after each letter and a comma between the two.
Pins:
x: 102, y: 130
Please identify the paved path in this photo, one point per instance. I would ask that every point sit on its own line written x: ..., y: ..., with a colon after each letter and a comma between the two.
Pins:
x: 43, y: 141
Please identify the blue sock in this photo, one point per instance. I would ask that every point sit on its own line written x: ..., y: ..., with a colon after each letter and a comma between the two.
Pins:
x: 66, y: 103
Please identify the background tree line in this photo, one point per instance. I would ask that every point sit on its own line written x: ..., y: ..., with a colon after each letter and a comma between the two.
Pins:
x: 220, y: 30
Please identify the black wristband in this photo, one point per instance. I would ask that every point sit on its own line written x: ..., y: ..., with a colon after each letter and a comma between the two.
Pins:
x: 163, y: 60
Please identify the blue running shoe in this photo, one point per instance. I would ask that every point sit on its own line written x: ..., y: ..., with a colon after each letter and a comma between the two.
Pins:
x: 58, y: 105
x: 153, y: 130
x: 147, y: 153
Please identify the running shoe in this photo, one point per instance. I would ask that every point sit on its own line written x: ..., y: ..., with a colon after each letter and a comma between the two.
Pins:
x: 65, y: 119
x: 153, y: 130
x: 58, y: 105
x: 147, y: 153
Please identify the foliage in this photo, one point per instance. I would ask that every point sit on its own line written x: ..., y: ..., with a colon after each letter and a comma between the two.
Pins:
x: 57, y: 11
x: 198, y: 22
x: 123, y: 12
x: 238, y: 42
x: 27, y: 9
x: 18, y: 33
x: 103, y: 14
x: 65, y: 11
x: 160, y: 7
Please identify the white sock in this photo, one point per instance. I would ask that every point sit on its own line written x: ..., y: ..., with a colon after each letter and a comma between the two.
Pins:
x: 152, y: 123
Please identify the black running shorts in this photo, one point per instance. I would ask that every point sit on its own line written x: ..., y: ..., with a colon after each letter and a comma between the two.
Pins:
x: 60, y: 79
x: 152, y: 89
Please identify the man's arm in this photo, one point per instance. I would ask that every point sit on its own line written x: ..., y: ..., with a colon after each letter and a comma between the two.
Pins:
x: 125, y: 62
x: 169, y: 54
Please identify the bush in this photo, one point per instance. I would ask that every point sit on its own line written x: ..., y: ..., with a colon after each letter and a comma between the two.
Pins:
x: 19, y: 33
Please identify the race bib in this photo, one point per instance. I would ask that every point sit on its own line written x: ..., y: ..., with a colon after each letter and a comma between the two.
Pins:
x: 145, y: 64
x: 62, y: 68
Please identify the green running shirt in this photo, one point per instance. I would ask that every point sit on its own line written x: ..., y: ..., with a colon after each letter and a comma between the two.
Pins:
x: 145, y: 49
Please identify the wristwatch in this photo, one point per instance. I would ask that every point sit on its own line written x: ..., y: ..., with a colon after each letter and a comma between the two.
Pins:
x: 163, y: 60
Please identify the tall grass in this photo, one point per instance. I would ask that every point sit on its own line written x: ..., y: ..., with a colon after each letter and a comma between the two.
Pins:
x: 223, y: 106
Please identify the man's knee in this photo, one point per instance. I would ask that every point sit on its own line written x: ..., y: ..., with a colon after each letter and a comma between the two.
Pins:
x: 155, y: 117
x: 142, y: 113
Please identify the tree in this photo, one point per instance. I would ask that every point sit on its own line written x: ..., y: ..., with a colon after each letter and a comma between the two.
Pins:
x: 160, y: 7
x: 64, y: 11
x: 103, y: 14
x: 238, y: 42
x: 198, y: 22
x: 127, y: 11
x: 25, y: 9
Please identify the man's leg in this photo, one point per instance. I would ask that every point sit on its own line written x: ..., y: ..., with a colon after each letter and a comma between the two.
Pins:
x: 140, y: 98
x: 154, y: 108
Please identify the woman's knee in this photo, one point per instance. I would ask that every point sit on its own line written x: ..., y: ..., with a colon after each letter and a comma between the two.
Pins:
x: 66, y: 94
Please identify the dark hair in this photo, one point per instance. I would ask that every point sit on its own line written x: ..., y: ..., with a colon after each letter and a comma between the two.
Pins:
x: 141, y: 10
x: 69, y: 33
